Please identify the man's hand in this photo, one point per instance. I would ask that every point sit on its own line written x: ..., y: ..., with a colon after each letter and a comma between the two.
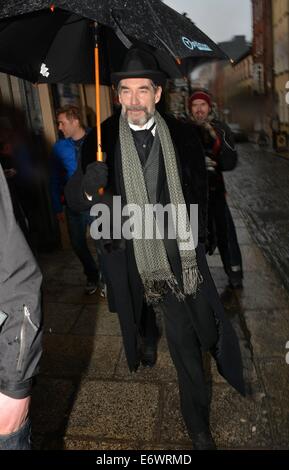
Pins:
x: 95, y: 177
x: 13, y: 413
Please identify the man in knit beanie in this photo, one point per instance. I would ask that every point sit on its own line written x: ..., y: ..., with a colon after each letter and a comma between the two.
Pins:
x: 221, y: 155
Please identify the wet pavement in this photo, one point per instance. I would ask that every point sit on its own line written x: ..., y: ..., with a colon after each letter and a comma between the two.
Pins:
x: 85, y: 398
x: 263, y: 198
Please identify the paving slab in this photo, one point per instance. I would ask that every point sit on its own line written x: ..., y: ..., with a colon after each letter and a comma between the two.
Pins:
x: 59, y: 318
x: 239, y: 422
x: 275, y: 375
x: 271, y: 331
x: 96, y: 320
x: 115, y: 410
x: 77, y: 356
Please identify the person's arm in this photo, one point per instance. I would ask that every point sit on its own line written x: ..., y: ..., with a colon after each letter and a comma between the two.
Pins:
x: 81, y: 190
x: 195, y: 177
x: 227, y: 156
x: 20, y: 282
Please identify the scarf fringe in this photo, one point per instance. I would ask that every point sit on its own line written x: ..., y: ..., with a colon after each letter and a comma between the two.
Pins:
x: 155, y: 290
x: 192, y: 278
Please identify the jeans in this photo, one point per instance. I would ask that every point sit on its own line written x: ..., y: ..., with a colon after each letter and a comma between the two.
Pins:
x: 77, y: 223
x: 18, y: 440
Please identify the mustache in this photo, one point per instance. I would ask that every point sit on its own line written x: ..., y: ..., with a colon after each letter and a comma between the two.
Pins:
x: 136, y: 108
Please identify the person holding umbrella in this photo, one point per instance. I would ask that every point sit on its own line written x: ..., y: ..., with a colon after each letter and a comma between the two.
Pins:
x: 221, y: 155
x: 148, y: 161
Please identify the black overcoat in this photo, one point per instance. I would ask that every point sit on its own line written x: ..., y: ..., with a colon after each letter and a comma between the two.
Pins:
x: 125, y: 290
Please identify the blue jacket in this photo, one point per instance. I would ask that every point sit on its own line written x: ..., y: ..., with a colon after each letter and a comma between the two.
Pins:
x: 64, y: 164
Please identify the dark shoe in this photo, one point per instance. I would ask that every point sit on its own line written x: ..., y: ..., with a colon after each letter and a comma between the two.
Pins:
x: 235, y: 280
x: 227, y: 297
x: 149, y: 355
x: 103, y: 291
x: 203, y: 441
x: 91, y: 287
x: 236, y: 284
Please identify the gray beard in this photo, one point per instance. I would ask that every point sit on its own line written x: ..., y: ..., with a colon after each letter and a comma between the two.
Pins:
x: 139, y: 122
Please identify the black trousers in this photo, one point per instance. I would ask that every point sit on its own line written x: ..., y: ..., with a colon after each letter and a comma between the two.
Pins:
x: 190, y: 328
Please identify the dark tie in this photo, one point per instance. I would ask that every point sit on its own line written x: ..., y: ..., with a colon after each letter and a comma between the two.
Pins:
x: 143, y: 141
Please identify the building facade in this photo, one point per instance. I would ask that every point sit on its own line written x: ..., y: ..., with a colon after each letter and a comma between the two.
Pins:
x: 263, y: 72
x: 280, y: 21
x: 234, y: 91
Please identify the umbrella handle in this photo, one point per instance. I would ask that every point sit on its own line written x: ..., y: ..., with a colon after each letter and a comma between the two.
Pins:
x: 97, y: 103
x: 99, y: 156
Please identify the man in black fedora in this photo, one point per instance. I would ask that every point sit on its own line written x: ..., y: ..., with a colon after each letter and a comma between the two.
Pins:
x: 148, y: 162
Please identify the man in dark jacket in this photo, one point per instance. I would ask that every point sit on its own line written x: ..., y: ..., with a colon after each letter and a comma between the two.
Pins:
x: 147, y: 163
x: 20, y: 327
x: 221, y: 155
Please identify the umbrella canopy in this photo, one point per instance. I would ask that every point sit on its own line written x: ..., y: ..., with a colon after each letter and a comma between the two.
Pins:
x: 50, y: 42
x: 162, y: 27
x: 43, y: 47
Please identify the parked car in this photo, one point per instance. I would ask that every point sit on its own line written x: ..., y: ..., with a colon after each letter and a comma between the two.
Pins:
x: 239, y: 134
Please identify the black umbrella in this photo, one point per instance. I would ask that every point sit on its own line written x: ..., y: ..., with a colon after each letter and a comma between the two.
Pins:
x: 45, y: 42
x: 162, y: 27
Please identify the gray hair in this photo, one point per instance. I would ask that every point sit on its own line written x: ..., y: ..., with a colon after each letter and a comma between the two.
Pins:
x: 153, y: 84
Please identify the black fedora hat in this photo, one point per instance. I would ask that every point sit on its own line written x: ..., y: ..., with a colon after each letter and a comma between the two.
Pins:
x: 139, y: 63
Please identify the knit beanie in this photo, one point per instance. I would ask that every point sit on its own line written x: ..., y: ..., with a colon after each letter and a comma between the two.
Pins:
x: 200, y: 95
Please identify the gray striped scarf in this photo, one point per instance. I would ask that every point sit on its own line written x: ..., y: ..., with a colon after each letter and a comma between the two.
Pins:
x: 150, y: 254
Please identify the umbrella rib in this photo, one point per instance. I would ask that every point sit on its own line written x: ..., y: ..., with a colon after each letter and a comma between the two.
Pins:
x: 166, y: 46
x: 120, y: 34
x: 123, y: 38
x: 155, y: 17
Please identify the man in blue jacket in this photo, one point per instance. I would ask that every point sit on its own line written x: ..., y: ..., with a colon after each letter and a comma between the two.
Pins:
x: 66, y: 153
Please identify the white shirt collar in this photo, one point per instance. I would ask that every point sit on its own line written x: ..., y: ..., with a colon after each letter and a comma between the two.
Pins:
x: 146, y: 126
